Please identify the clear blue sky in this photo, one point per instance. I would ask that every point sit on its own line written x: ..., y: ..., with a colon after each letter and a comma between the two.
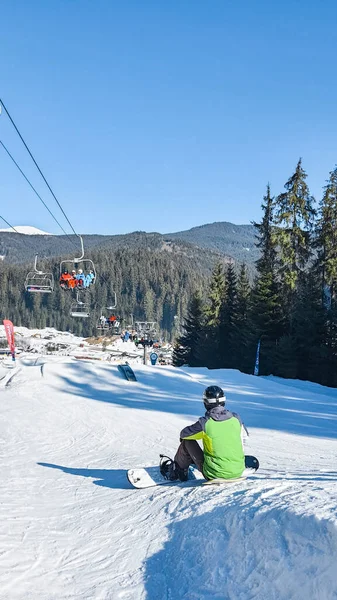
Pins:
x: 160, y: 116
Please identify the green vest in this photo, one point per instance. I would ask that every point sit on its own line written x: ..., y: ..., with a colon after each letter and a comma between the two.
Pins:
x: 223, y: 450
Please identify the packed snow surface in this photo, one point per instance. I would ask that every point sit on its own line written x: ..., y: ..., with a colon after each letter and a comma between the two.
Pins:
x: 72, y: 527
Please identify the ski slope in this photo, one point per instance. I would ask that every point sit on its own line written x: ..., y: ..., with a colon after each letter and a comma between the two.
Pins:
x: 72, y: 527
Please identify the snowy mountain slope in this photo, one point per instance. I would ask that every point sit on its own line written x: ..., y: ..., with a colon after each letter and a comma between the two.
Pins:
x: 26, y: 230
x: 72, y: 527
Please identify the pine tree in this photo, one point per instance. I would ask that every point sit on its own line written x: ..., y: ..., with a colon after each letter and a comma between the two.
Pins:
x: 267, y: 319
x: 308, y: 331
x: 188, y: 347
x: 228, y: 318
x: 267, y: 322
x: 215, y: 295
x: 294, y: 214
x: 326, y: 239
x: 241, y: 341
x: 212, y: 310
x: 265, y: 235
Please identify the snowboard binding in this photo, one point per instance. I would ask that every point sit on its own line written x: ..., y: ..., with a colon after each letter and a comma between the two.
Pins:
x: 251, y: 462
x: 170, y: 470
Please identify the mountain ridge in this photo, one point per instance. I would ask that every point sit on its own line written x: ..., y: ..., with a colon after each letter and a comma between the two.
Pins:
x: 234, y: 242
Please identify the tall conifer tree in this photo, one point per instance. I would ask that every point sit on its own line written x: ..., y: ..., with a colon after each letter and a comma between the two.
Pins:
x: 265, y: 235
x: 294, y: 214
x: 266, y: 315
x: 326, y: 237
x: 215, y: 298
x: 241, y: 341
x: 228, y: 318
x: 188, y: 349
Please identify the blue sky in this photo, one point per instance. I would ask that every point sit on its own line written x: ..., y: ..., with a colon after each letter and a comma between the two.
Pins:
x: 160, y: 116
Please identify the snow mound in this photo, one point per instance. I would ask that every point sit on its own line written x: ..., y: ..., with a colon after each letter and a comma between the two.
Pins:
x: 246, y: 549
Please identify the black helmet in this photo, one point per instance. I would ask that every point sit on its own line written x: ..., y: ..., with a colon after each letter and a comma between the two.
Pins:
x: 213, y: 396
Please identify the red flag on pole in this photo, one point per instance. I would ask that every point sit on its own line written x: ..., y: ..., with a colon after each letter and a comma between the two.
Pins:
x: 9, y: 329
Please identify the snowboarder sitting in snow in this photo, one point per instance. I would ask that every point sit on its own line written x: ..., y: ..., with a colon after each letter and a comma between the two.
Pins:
x: 221, y: 432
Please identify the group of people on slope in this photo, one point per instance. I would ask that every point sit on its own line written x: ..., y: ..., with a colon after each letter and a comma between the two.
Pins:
x: 69, y: 281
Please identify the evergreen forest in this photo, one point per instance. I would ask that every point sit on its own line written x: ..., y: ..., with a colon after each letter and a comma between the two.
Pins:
x: 151, y: 283
x: 289, y: 311
x: 215, y: 309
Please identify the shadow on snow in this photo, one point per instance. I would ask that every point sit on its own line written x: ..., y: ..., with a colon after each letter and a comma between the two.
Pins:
x: 219, y: 554
x: 309, y: 409
x: 110, y: 478
x: 117, y: 479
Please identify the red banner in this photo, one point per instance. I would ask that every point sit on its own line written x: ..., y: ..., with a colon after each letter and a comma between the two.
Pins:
x: 9, y: 329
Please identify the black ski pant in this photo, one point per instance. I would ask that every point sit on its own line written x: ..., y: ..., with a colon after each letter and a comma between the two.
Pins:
x: 189, y: 453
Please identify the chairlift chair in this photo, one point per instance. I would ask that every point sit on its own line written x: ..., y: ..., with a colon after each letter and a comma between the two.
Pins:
x: 39, y: 282
x: 80, y: 309
x: 104, y: 325
x: 86, y: 264
x: 146, y: 327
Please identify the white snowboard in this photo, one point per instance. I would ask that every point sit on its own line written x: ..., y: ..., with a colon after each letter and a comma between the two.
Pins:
x: 151, y: 476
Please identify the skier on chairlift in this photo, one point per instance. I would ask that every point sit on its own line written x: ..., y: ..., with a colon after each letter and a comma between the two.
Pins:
x: 64, y: 279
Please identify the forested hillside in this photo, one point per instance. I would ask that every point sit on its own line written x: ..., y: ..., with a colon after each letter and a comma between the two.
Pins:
x: 152, y: 282
x: 234, y: 241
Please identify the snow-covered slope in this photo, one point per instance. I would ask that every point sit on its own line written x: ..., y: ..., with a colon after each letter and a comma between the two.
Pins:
x: 72, y: 527
x: 26, y: 230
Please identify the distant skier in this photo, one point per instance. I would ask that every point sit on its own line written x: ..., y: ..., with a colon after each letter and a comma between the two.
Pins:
x: 222, y: 434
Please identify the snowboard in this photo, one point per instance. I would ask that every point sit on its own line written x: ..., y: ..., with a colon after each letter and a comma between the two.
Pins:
x: 150, y: 476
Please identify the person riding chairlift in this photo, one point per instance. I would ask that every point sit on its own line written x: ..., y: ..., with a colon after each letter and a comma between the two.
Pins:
x: 80, y: 278
x: 89, y: 278
x: 65, y: 279
x: 112, y: 319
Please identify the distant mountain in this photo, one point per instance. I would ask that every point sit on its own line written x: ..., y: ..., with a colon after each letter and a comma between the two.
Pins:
x: 226, y: 240
x: 25, y: 230
x: 235, y: 241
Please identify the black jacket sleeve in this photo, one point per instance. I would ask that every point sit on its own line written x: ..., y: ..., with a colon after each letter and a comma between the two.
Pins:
x: 193, y: 432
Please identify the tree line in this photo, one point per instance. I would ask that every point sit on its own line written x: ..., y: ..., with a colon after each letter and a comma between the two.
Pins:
x: 151, y: 284
x: 290, y: 307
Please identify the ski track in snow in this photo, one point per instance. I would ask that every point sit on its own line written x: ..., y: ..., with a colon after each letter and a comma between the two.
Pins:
x: 72, y: 527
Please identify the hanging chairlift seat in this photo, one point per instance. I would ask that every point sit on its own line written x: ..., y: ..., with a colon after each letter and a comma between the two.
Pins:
x: 39, y: 282
x: 106, y: 325
x: 74, y: 264
x: 79, y: 309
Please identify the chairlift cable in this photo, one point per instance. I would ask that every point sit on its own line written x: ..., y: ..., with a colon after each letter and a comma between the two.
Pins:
x: 37, y: 166
x: 34, y: 190
x: 9, y: 225
x: 29, y: 242
x: 41, y: 173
